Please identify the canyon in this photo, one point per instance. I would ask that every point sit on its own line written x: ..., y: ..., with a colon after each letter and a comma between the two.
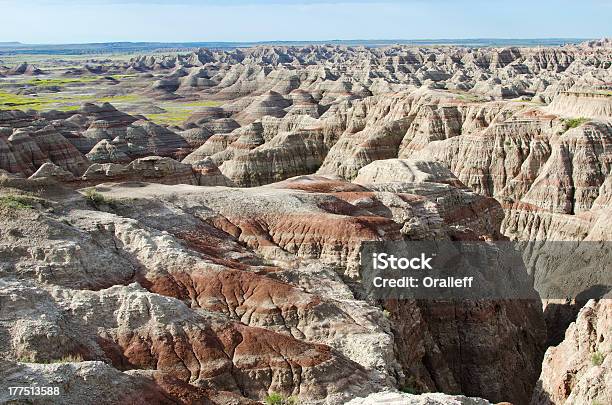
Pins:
x: 187, y: 227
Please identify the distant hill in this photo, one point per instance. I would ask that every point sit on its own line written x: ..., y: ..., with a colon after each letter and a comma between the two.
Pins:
x: 130, y: 47
x: 10, y: 44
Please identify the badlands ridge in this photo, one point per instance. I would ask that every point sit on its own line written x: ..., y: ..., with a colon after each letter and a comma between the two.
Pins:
x: 214, y: 259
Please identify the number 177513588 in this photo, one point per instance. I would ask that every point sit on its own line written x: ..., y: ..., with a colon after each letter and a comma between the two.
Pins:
x: 33, y: 391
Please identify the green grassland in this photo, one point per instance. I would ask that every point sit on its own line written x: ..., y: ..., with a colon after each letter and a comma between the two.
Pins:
x: 606, y: 93
x: 177, y: 112
x: 73, y: 91
x: 60, y: 81
x: 18, y: 202
x: 63, y: 81
x: 466, y: 96
x: 55, y: 92
x: 60, y: 102
x: 574, y: 122
x: 10, y: 101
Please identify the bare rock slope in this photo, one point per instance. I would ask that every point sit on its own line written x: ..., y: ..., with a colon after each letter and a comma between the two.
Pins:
x: 214, y: 258
x: 579, y: 370
x: 239, y: 290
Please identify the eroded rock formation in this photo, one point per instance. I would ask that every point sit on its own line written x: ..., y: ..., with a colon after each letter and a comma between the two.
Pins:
x: 579, y: 369
x: 244, y: 280
x: 215, y: 258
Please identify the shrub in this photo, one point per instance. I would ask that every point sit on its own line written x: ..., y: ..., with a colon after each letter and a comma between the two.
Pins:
x: 574, y: 122
x: 17, y: 202
x: 278, y: 399
x: 70, y: 358
x: 597, y: 358
x: 27, y: 358
x: 96, y: 198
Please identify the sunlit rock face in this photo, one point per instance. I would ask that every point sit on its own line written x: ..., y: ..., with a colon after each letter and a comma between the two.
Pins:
x: 197, y: 239
x: 263, y: 273
x: 578, y: 370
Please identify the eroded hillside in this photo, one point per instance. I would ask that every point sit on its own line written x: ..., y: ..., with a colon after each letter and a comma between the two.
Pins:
x: 192, y: 231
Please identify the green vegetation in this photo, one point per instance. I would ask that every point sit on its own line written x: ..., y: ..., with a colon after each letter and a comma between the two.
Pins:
x: 466, y: 96
x: 18, y: 202
x: 469, y: 98
x: 60, y: 81
x: 59, y: 101
x: 10, y: 101
x: 606, y: 93
x: 525, y: 100
x: 169, y: 117
x: 177, y: 112
x: 62, y: 101
x: 97, y: 199
x: 407, y: 389
x: 118, y: 77
x: 68, y: 108
x: 597, y: 358
x: 277, y: 399
x: 201, y: 103
x: 574, y: 122
x: 71, y: 358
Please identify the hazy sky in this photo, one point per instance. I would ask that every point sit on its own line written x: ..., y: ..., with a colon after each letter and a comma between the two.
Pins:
x: 71, y: 21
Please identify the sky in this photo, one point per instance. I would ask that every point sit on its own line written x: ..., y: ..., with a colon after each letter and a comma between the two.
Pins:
x: 71, y: 21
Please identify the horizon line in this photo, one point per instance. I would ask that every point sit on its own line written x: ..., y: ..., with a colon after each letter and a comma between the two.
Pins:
x: 304, y: 40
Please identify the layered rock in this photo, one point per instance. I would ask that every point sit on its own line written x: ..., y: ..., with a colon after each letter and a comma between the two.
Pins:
x: 268, y: 104
x: 406, y: 171
x: 158, y: 169
x: 286, y: 155
x: 226, y: 295
x: 23, y: 68
x: 208, y: 174
x: 317, y: 241
x: 140, y: 138
x: 214, y: 144
x: 107, y: 151
x: 49, y: 170
x: 196, y: 137
x: 200, y: 351
x: 595, y: 104
x: 79, y: 382
x: 24, y: 152
x: 244, y: 283
x: 579, y: 369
